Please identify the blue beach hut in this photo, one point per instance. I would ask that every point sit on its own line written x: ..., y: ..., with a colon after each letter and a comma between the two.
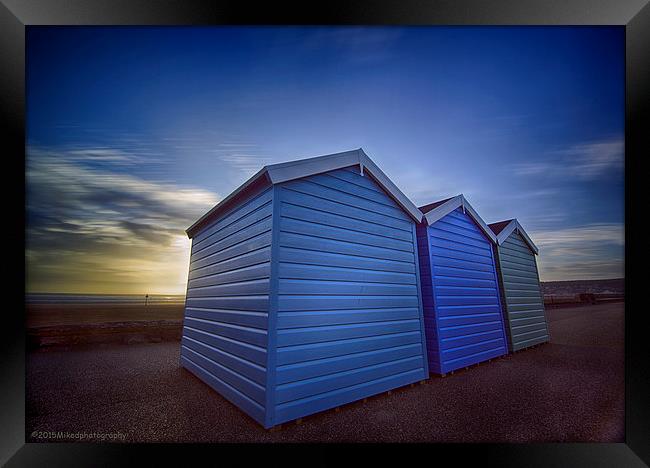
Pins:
x: 526, y: 323
x: 303, y: 290
x: 460, y: 288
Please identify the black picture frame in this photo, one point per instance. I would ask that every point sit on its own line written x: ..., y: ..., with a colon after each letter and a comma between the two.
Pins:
x: 15, y: 15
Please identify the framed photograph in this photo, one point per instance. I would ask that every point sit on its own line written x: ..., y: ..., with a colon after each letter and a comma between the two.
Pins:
x: 373, y: 223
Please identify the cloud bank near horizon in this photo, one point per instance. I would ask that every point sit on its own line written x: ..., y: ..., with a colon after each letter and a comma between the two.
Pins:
x: 95, y: 229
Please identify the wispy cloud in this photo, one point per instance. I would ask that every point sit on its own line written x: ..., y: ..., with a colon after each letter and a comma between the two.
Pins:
x: 242, y: 157
x: 83, y: 222
x: 604, y: 232
x: 594, y: 251
x: 586, y: 161
x: 532, y: 168
x: 595, y: 159
x: 583, y: 270
x: 103, y: 154
x: 247, y: 163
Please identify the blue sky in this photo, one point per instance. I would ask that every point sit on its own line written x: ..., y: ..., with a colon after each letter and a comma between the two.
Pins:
x: 133, y: 133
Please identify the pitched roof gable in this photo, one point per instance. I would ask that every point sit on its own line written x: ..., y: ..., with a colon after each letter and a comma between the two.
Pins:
x: 503, y: 229
x: 499, y: 226
x: 284, y: 172
x: 431, y: 206
x: 437, y: 210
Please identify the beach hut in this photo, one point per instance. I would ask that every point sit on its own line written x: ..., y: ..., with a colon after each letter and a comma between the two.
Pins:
x: 460, y: 288
x: 303, y: 290
x: 526, y: 322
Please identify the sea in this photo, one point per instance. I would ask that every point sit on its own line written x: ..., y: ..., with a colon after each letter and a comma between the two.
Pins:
x: 64, y: 298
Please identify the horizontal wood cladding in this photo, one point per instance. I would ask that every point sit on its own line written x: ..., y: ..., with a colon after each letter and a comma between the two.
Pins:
x: 348, y: 320
x: 226, y: 311
x: 460, y: 293
x: 524, y: 304
x: 305, y: 296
